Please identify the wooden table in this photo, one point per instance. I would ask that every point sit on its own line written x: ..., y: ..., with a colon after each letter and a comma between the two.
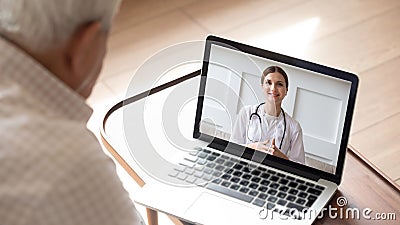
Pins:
x: 365, y: 186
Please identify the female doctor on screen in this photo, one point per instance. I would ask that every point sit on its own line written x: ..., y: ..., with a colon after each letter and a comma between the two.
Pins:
x: 265, y: 126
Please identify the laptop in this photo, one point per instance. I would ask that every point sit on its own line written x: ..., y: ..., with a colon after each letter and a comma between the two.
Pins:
x: 220, y: 178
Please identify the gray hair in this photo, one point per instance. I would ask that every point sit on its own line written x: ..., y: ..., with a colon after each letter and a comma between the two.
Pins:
x: 42, y: 24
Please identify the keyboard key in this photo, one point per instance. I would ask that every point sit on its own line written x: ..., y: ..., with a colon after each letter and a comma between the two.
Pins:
x: 301, y: 201
x: 231, y: 193
x: 293, y: 191
x: 226, y: 184
x: 189, y: 171
x: 265, y: 182
x: 211, y: 158
x: 235, y: 179
x: 202, y: 155
x: 263, y: 196
x: 310, y: 184
x: 220, y: 161
x: 281, y: 202
x: 261, y: 169
x: 243, y: 163
x: 216, y: 181
x: 246, y: 176
x: 237, y: 173
x: 274, y: 185
x: 290, y: 178
x: 208, y: 170
x: 228, y: 164
x: 281, y: 175
x: 272, y: 192
x: 292, y: 184
x: 182, y: 176
x: 302, y: 195
x: 300, y: 181
x: 256, y: 179
x: 320, y: 187
x: 246, y: 169
x: 224, y: 156
x: 314, y: 191
x: 191, y: 158
x: 238, y: 166
x: 234, y: 187
x: 207, y: 177
x: 271, y: 172
x: 215, y: 154
x: 253, y: 193
x: 244, y: 190
x: 219, y: 168
x: 253, y: 186
x: 283, y: 181
x: 311, y: 199
x: 244, y: 182
x: 290, y: 198
x: 274, y: 178
x: 259, y: 202
x: 263, y: 189
x: 187, y: 164
x: 190, y: 179
x: 206, y: 151
x: 229, y: 171
x: 226, y: 177
x: 302, y: 187
x: 211, y: 165
x: 234, y: 160
x: 198, y: 174
x: 179, y: 168
x: 255, y: 172
x: 201, y: 162
x: 173, y: 173
x: 281, y: 195
x: 283, y: 188
x: 217, y: 173
x: 270, y: 205
x: 265, y: 175
x: 272, y: 199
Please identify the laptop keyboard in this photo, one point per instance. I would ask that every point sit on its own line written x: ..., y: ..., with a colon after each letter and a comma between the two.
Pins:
x: 260, y: 186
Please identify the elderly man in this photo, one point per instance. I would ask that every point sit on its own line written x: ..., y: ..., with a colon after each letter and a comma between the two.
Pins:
x: 52, y: 169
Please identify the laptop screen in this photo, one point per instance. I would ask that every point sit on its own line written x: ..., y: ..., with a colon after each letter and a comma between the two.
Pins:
x: 274, y: 104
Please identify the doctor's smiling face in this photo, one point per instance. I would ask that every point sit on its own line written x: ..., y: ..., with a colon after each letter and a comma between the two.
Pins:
x: 274, y: 87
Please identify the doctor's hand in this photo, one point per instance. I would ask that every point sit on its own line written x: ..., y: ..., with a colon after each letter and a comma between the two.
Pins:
x: 261, y: 146
x: 273, y: 150
x: 268, y: 147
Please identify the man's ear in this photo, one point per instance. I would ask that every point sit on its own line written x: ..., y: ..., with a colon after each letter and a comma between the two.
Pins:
x: 80, y: 44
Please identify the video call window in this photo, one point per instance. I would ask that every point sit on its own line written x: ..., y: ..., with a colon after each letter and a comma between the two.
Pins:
x: 274, y: 107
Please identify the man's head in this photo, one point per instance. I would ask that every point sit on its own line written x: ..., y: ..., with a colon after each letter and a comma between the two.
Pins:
x: 68, y: 37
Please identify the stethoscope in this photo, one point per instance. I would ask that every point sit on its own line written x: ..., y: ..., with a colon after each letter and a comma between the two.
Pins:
x: 259, y: 118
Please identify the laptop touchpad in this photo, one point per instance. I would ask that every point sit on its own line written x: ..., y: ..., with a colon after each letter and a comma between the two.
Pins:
x: 212, y: 209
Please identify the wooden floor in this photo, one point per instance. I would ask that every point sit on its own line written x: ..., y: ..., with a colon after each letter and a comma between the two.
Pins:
x: 358, y: 36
